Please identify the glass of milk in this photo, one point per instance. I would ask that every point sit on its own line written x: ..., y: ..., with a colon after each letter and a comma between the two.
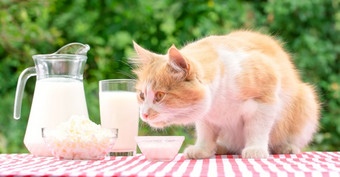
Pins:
x: 119, y: 109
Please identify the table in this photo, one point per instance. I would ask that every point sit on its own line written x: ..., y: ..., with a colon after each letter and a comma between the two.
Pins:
x: 304, y: 164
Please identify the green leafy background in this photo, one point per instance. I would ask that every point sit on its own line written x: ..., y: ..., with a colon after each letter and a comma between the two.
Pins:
x: 310, y: 30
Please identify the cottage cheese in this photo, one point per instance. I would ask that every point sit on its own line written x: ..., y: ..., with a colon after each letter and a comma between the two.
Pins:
x: 79, y: 138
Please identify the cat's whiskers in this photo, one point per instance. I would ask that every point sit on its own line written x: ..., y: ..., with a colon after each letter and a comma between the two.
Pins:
x: 130, y: 76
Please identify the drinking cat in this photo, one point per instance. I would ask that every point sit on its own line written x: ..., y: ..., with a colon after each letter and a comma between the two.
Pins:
x: 241, y: 91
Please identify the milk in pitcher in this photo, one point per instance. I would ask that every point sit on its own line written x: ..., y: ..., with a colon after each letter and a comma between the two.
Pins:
x: 54, y: 101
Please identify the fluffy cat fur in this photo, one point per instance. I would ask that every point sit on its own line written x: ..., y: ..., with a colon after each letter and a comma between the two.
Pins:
x: 241, y: 91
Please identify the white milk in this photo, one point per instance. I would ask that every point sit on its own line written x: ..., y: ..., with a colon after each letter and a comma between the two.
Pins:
x: 54, y: 101
x: 119, y: 109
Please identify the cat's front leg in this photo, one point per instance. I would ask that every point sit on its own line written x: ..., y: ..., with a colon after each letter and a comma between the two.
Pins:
x: 257, y: 127
x: 205, y: 145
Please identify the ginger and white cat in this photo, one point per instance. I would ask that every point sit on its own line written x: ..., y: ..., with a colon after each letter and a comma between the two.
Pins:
x: 240, y: 90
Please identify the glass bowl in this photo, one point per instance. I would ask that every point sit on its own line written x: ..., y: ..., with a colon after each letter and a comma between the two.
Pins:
x: 76, y: 146
x: 159, y: 148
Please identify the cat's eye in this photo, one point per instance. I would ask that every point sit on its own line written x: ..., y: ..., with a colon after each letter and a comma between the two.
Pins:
x: 141, y: 96
x: 159, y: 96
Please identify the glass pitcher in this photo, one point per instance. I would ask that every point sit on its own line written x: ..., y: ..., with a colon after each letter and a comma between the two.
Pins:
x: 58, y: 94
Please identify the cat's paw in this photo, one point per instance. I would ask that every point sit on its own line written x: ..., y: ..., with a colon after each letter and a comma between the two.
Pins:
x: 196, y: 152
x: 255, y: 152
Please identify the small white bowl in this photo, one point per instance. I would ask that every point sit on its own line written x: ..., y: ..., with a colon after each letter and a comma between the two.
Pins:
x: 78, y: 146
x: 159, y: 148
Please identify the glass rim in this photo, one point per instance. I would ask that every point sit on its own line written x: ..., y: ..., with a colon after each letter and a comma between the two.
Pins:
x: 117, y: 81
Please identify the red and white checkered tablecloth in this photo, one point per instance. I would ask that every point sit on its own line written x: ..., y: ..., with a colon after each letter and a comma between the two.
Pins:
x: 306, y: 164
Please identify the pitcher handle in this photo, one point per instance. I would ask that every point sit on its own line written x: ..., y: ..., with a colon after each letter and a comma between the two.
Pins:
x: 27, y: 73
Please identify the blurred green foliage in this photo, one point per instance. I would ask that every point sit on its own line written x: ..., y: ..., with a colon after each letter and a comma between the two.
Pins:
x: 309, y: 28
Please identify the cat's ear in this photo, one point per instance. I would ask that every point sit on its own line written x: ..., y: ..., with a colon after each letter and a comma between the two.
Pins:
x: 177, y: 61
x: 143, y: 54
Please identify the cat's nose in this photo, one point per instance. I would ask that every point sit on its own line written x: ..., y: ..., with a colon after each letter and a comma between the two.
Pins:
x: 145, y: 116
